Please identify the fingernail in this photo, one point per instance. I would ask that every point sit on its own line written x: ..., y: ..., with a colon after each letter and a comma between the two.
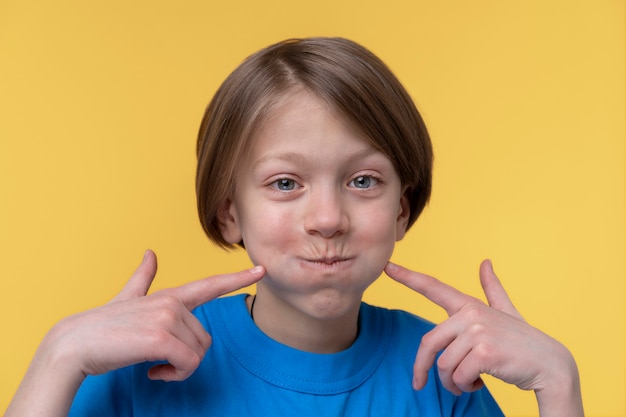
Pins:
x: 256, y: 269
x: 391, y: 267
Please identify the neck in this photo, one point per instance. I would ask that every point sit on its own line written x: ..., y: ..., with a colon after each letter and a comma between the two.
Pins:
x: 295, y: 327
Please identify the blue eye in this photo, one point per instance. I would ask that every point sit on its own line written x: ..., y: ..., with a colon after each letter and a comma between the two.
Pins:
x: 363, y: 181
x: 285, y: 184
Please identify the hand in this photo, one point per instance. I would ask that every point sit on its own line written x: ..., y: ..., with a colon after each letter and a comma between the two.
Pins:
x: 493, y: 339
x: 135, y: 327
x: 132, y: 328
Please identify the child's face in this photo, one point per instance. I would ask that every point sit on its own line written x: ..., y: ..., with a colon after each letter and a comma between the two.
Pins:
x: 317, y: 206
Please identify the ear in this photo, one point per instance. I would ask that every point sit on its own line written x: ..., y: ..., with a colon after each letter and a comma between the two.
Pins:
x: 404, y: 211
x: 228, y: 220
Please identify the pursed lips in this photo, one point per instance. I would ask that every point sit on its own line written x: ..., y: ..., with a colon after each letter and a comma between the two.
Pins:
x: 327, y: 263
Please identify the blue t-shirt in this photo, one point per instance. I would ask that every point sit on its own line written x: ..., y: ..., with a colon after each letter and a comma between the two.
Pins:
x: 247, y: 373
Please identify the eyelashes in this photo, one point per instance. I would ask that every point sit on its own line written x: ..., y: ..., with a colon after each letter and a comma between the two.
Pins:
x: 362, y: 182
x: 285, y: 184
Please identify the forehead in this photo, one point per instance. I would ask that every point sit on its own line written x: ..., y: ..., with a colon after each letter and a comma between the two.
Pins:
x: 299, y: 96
x: 305, y: 140
x: 301, y: 120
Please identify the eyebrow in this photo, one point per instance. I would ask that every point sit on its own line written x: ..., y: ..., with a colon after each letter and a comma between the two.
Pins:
x: 301, y: 158
x: 286, y: 156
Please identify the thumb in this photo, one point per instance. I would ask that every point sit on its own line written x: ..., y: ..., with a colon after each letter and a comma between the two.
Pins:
x: 496, y: 295
x: 139, y: 283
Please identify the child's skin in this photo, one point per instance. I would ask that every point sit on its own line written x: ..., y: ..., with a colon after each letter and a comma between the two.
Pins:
x: 319, y: 210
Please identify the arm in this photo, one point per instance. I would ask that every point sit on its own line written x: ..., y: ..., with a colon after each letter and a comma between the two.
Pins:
x: 493, y: 339
x: 132, y: 328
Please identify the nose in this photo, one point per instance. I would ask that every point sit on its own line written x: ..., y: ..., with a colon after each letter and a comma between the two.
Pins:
x: 326, y: 213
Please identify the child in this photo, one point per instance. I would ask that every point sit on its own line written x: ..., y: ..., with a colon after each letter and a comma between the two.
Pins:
x: 313, y: 158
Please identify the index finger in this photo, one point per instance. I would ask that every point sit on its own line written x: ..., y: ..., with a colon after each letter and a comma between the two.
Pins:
x: 206, y: 289
x: 445, y: 296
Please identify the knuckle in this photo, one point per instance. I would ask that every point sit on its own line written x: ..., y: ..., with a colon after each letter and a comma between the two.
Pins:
x: 443, y: 364
x: 166, y: 309
x: 460, y: 381
x: 194, y: 361
x: 428, y: 340
x: 484, y: 352
x: 207, y: 340
x: 166, y: 317
x: 167, y: 300
x: 473, y: 312
x: 477, y: 330
x: 158, y: 337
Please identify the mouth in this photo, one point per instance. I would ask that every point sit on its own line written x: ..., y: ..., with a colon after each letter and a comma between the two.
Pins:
x: 332, y: 264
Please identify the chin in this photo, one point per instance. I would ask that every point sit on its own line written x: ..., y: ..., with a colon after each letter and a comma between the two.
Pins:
x: 329, y: 306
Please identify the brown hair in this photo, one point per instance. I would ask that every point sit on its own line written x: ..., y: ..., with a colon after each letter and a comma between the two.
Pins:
x: 342, y: 73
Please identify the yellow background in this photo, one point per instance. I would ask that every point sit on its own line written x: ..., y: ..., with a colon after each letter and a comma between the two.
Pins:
x: 100, y: 102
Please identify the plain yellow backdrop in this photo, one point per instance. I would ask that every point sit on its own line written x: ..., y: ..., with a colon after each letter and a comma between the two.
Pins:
x: 100, y: 103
